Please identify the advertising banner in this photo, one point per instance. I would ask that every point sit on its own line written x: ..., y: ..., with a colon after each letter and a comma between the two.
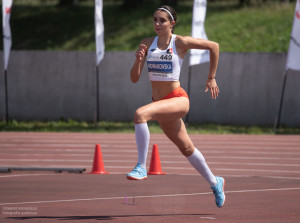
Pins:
x: 198, y: 31
x: 6, y: 11
x: 99, y: 31
x: 293, y: 58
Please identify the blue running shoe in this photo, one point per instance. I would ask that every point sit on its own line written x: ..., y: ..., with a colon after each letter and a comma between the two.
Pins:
x: 138, y: 173
x: 218, y: 191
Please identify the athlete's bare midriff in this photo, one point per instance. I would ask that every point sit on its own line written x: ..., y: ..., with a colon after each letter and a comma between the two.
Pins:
x: 162, y: 88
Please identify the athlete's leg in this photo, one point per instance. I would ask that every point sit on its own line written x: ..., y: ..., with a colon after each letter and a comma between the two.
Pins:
x: 176, y: 132
x: 142, y: 137
x: 166, y: 109
x: 161, y: 110
x: 169, y: 113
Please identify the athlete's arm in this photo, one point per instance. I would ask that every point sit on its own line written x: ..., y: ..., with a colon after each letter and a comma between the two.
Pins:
x: 187, y: 42
x: 140, y: 58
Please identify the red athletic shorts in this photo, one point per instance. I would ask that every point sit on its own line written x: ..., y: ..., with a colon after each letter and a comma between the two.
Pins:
x: 178, y: 92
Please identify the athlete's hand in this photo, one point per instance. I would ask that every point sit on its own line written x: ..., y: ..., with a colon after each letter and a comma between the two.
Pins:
x: 141, y: 52
x: 211, y: 84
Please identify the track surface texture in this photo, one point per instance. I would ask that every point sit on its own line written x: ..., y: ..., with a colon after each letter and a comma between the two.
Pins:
x: 262, y: 174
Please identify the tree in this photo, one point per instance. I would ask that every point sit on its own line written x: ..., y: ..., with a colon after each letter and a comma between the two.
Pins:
x: 247, y: 2
x: 244, y: 2
x: 132, y: 3
x: 66, y: 2
x: 172, y: 3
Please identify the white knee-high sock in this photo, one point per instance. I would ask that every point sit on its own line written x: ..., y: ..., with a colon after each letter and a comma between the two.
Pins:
x: 142, y: 137
x: 198, y: 162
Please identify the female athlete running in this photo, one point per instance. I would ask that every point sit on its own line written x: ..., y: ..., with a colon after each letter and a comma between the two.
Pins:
x: 164, y: 55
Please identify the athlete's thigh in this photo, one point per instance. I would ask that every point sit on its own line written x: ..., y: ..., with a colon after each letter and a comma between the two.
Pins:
x: 164, y: 110
x: 175, y: 130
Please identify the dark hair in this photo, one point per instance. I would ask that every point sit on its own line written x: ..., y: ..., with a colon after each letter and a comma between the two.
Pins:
x: 172, y: 11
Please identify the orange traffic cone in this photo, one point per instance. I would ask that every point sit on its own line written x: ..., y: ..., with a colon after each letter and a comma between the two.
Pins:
x: 98, y: 165
x: 155, y: 167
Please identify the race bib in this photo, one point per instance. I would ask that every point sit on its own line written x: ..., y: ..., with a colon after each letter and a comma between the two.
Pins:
x: 160, y: 66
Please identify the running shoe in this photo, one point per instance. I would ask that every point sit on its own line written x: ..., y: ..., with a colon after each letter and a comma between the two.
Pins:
x: 138, y: 173
x: 218, y: 191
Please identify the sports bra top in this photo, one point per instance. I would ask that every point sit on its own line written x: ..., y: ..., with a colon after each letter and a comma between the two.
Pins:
x: 164, y: 65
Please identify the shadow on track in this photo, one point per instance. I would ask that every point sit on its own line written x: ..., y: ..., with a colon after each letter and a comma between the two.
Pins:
x: 112, y: 217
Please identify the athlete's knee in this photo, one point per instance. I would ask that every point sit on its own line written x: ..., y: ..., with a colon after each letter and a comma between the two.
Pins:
x: 187, y: 151
x: 139, y: 116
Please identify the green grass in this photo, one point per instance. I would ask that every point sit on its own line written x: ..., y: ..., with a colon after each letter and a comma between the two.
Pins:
x: 128, y: 127
x: 44, y: 26
x: 252, y: 29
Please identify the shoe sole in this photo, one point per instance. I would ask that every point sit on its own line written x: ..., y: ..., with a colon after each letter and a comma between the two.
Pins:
x: 133, y: 178
x: 223, y: 192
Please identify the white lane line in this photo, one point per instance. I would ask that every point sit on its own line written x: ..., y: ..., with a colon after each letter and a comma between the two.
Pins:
x: 47, y: 160
x: 258, y: 153
x: 163, y: 153
x: 169, y: 151
x: 210, y: 218
x: 214, y: 142
x: 228, y: 169
x: 166, y: 162
x: 149, y: 196
x: 254, y: 147
x: 56, y: 166
x: 179, y: 174
x: 231, y: 163
x: 133, y: 145
x: 279, y: 177
x: 250, y: 157
x: 257, y: 170
x: 173, y: 168
x: 237, y: 176
x: 255, y: 164
x: 181, y: 157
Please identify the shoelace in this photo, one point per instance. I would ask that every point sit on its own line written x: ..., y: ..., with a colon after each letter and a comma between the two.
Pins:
x: 137, y: 170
